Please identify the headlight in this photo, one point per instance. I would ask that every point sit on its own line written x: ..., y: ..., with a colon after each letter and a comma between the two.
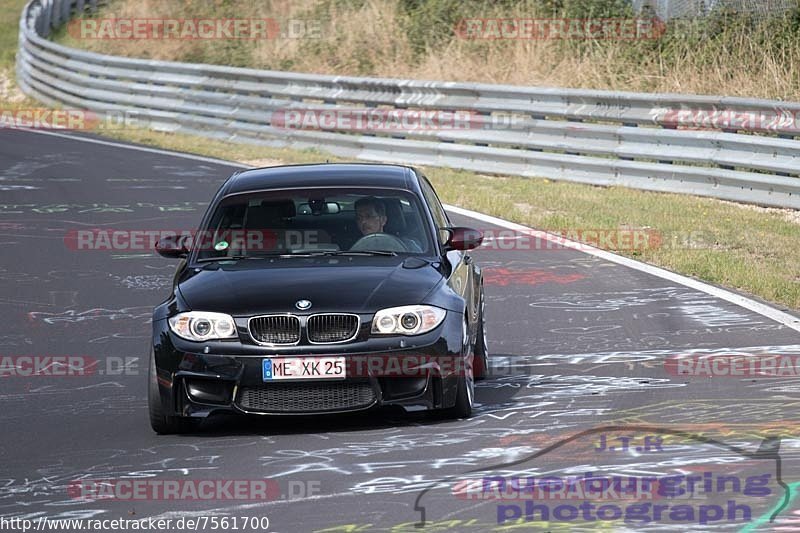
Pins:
x: 407, y: 320
x: 201, y: 326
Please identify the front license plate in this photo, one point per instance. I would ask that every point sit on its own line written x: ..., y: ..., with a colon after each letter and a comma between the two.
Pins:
x: 302, y: 368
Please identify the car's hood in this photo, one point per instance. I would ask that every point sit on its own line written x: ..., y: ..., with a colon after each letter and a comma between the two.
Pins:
x: 330, y: 284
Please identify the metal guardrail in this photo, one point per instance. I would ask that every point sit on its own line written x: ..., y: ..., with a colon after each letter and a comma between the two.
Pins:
x: 596, y: 137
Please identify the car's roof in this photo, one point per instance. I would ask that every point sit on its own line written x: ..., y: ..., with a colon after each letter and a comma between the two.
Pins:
x: 323, y: 175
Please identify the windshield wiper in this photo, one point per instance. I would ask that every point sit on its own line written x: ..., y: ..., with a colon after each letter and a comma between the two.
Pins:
x: 238, y: 257
x: 384, y: 253
x: 321, y: 253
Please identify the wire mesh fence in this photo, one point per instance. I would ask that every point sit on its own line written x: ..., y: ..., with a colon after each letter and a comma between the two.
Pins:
x: 672, y: 9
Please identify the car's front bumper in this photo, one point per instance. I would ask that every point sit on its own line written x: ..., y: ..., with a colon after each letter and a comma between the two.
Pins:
x: 415, y: 373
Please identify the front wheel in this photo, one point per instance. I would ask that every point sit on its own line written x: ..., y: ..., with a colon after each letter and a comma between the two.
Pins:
x: 465, y: 395
x: 481, y: 349
x: 161, y: 423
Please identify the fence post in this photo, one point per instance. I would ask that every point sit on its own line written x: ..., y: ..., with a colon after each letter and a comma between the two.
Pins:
x: 66, y: 6
x: 55, y: 17
x: 47, y: 17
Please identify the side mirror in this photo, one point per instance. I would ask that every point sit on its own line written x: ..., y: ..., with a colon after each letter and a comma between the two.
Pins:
x: 172, y: 247
x: 463, y: 239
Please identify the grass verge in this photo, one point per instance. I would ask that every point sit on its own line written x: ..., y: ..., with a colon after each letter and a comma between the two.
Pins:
x: 10, y: 96
x: 9, y: 21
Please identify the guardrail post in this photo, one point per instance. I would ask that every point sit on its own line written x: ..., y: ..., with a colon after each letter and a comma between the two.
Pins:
x: 55, y: 17
x: 66, y: 6
x: 38, y: 21
x: 47, y: 16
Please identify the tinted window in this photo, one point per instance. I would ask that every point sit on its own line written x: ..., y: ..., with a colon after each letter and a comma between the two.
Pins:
x: 308, y: 220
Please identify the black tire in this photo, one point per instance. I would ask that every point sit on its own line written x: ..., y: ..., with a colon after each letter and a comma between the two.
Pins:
x: 160, y: 422
x: 465, y: 395
x: 463, y: 405
x: 481, y: 349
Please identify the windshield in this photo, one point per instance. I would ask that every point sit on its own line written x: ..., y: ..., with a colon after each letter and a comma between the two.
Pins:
x: 308, y: 221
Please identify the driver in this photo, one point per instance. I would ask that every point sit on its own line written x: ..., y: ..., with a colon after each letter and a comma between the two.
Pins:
x: 370, y: 215
x: 371, y: 219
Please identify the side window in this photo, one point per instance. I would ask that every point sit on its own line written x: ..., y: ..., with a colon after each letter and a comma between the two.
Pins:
x: 439, y: 216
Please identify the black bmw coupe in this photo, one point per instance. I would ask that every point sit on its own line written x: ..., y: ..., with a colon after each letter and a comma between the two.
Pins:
x: 319, y: 289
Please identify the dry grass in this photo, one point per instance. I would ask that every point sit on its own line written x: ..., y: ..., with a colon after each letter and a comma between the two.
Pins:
x: 379, y: 38
x: 9, y: 20
x: 9, y: 92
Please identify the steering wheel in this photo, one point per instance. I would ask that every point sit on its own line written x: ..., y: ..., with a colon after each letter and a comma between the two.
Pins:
x: 379, y: 242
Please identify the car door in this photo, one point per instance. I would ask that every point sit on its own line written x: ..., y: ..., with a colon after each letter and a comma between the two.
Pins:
x: 461, y: 279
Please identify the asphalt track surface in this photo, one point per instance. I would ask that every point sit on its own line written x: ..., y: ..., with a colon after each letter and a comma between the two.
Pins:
x: 578, y: 345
